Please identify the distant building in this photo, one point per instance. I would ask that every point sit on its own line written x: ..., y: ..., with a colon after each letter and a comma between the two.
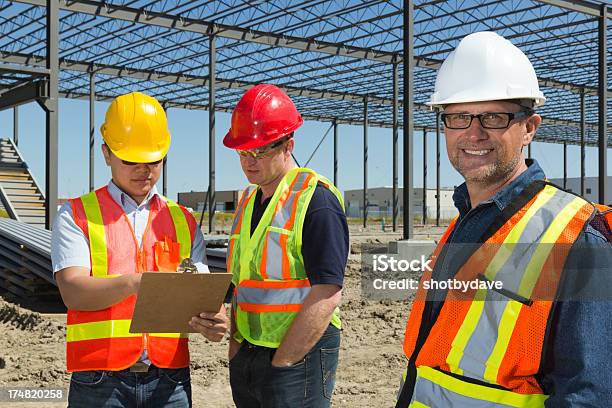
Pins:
x: 380, y: 202
x: 591, y: 187
x: 225, y: 200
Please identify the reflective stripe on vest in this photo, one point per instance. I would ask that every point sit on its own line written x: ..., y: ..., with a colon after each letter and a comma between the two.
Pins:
x: 436, y: 389
x: 270, y: 296
x: 97, y: 235
x: 268, y: 272
x: 490, y: 321
x: 107, y: 328
x: 88, y: 333
x: 275, y: 247
x: 495, y: 337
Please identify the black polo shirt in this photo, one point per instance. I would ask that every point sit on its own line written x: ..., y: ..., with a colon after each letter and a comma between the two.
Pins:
x: 325, y: 238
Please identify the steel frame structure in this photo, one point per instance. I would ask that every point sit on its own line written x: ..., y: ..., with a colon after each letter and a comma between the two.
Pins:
x: 339, y: 60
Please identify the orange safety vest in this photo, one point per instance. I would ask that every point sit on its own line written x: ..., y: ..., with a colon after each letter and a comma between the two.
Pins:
x: 485, y: 347
x: 100, y: 340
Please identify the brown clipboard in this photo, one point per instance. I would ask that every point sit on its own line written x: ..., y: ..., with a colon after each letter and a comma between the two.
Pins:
x: 167, y: 301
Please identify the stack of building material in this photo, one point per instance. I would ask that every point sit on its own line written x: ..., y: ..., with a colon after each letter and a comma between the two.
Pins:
x: 25, y: 261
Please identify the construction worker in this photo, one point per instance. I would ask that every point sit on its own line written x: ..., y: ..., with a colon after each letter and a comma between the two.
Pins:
x: 524, y: 344
x: 287, y: 253
x: 118, y: 232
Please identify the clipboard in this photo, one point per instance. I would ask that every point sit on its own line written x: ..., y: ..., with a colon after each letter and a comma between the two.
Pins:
x: 168, y: 300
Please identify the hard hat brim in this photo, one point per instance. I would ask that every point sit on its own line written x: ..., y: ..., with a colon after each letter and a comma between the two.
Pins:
x: 139, y: 156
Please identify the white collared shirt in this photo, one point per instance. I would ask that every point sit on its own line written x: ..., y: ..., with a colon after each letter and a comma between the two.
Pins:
x: 70, y: 246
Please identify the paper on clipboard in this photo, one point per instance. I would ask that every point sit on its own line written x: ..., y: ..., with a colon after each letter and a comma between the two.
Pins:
x: 167, y: 301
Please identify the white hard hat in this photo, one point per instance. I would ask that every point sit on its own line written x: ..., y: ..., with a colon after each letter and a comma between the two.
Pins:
x: 486, y: 67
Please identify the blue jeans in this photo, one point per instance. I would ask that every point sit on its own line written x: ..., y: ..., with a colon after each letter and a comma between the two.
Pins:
x: 159, y: 387
x: 308, y: 383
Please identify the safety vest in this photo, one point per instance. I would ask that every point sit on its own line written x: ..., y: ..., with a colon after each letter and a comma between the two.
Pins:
x: 268, y: 270
x: 100, y: 340
x: 485, y: 347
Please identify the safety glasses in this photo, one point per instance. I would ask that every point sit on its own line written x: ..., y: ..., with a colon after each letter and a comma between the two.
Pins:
x: 488, y: 120
x: 262, y: 152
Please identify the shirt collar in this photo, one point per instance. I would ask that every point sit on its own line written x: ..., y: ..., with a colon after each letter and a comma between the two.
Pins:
x: 123, y: 199
x: 505, y: 196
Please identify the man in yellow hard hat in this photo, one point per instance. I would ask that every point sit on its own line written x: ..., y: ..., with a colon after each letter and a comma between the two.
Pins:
x: 117, y: 232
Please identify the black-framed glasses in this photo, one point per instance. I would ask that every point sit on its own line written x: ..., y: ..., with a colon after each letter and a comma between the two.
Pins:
x: 262, y: 152
x: 488, y: 120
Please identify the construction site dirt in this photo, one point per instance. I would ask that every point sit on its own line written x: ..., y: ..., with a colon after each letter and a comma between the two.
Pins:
x: 32, y: 344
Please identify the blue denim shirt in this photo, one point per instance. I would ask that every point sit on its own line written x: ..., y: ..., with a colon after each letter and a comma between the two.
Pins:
x: 577, y: 367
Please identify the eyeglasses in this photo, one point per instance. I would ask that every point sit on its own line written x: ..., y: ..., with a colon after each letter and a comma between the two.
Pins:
x: 262, y: 152
x: 155, y: 163
x: 488, y: 120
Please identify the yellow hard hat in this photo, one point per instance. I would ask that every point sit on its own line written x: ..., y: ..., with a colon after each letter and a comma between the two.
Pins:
x: 136, y: 129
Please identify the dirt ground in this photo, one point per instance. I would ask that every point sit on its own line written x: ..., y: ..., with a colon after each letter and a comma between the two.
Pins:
x: 32, y: 346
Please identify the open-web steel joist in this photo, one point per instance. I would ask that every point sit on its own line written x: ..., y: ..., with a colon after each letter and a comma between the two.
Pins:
x: 337, y: 59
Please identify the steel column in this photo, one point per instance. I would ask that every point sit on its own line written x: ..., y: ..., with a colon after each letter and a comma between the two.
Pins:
x: 336, y: 153
x: 92, y: 132
x: 212, y: 56
x: 582, y: 141
x: 424, y: 176
x: 16, y: 125
x: 529, y: 150
x: 395, y: 120
x: 51, y: 113
x: 365, y: 161
x: 564, y: 165
x: 408, y: 116
x: 602, y: 91
x: 165, y: 177
x: 437, y: 169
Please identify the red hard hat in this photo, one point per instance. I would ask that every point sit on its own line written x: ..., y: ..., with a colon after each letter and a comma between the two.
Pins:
x: 263, y: 115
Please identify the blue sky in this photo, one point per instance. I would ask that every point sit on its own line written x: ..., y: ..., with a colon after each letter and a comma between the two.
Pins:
x: 188, y: 155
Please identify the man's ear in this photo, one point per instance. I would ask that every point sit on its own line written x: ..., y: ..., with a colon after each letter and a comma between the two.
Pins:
x: 289, y: 146
x: 106, y: 153
x: 531, y: 127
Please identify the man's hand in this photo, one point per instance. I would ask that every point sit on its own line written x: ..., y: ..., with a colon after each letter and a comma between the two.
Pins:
x: 211, y: 325
x: 234, y: 347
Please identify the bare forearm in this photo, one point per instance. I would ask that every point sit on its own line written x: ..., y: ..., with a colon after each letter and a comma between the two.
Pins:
x: 90, y: 293
x: 309, y: 324
x: 234, y: 346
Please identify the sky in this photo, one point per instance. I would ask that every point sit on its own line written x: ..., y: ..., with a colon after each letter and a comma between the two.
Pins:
x: 188, y: 155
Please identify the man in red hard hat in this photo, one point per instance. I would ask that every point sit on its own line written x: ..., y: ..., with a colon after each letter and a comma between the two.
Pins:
x: 287, y: 253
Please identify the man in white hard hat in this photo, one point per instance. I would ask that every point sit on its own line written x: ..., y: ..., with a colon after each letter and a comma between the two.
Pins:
x: 521, y: 345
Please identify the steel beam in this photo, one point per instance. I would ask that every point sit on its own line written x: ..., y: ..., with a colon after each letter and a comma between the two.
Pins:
x: 579, y: 6
x: 181, y: 23
x: 335, y: 124
x: 202, y: 81
x: 424, y: 176
x: 16, y: 125
x: 603, y: 97
x: 92, y: 131
x: 212, y: 59
x: 23, y: 69
x: 437, y: 169
x: 582, y: 142
x: 51, y: 107
x: 408, y: 105
x: 395, y: 140
x: 26, y: 93
x: 365, y: 161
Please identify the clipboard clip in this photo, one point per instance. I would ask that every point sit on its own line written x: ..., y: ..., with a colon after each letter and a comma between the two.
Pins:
x: 187, y: 266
